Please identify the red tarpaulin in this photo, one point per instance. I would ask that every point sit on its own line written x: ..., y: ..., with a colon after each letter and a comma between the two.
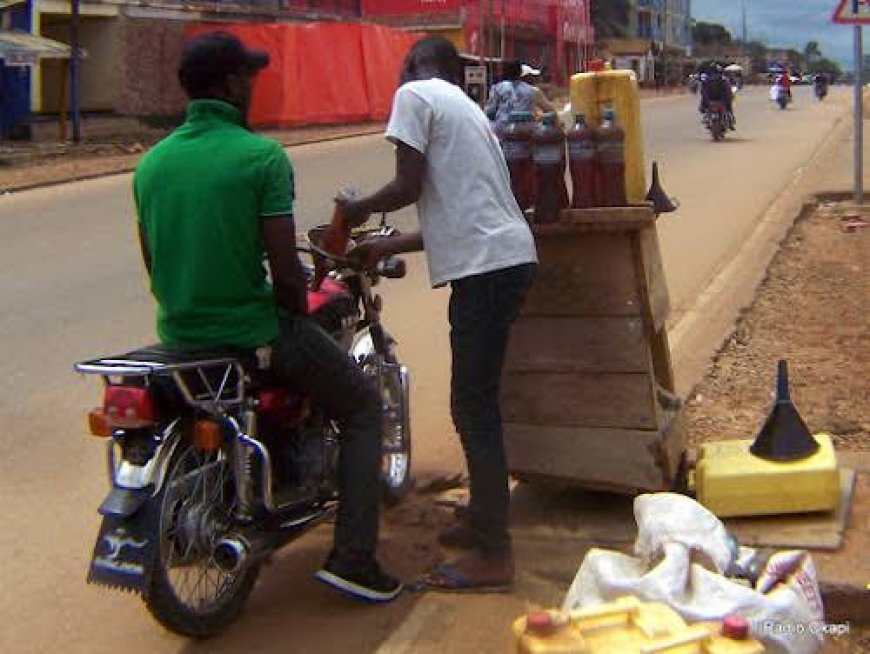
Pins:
x: 322, y: 72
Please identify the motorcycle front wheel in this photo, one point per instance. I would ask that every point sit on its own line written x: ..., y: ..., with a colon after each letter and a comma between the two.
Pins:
x: 187, y: 592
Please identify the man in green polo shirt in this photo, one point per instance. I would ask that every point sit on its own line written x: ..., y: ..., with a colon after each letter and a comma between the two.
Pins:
x: 211, y: 199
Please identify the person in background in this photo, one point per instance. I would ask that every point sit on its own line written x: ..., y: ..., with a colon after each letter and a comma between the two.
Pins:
x: 540, y: 102
x: 514, y: 94
x: 212, y: 199
x: 449, y: 162
x: 717, y: 88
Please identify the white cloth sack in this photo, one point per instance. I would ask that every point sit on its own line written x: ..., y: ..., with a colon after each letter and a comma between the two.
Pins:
x: 675, y: 533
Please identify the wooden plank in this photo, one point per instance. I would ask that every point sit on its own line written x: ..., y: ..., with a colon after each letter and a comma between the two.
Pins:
x: 824, y: 531
x: 590, y: 275
x: 570, y: 344
x: 660, y: 350
x: 609, y: 458
x: 630, y: 215
x: 580, y: 399
x: 654, y: 274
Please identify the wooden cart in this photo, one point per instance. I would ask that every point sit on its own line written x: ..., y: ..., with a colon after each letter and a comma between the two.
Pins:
x: 587, y: 393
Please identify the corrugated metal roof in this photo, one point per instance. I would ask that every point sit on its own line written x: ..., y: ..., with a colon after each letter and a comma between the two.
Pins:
x: 16, y: 43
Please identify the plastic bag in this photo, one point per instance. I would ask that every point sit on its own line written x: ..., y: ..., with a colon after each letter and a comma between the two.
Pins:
x: 682, y: 554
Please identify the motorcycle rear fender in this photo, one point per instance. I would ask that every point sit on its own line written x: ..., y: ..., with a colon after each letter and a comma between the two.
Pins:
x: 132, y: 485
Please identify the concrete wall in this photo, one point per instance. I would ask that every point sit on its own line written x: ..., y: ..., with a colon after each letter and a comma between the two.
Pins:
x: 150, y: 51
x: 100, y: 72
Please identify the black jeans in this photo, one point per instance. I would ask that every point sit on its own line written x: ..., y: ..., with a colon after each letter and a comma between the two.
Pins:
x: 307, y: 358
x: 482, y: 310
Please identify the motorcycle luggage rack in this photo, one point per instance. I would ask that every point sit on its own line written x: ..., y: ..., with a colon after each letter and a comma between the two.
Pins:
x: 217, y: 381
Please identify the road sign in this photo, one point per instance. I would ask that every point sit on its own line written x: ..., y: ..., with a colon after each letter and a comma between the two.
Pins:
x: 853, y: 12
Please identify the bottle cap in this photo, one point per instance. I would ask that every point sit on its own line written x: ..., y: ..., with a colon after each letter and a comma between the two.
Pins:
x: 540, y: 623
x: 735, y: 627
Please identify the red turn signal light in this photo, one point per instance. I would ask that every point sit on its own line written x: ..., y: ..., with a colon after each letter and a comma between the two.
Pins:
x: 207, y: 435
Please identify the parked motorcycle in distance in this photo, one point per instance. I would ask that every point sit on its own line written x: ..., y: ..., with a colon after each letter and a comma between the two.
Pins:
x: 214, y: 465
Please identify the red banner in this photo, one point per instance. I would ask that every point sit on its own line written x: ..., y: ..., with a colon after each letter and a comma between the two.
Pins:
x: 322, y: 72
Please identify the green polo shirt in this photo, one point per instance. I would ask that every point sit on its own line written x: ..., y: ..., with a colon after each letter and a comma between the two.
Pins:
x: 201, y: 196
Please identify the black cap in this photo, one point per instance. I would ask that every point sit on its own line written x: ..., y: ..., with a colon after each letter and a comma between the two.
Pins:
x: 207, y: 59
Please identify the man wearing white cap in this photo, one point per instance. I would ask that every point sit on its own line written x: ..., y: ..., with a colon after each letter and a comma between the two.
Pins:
x: 528, y: 75
x: 514, y: 93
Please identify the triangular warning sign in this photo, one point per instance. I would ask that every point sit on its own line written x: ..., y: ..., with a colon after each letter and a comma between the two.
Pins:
x: 853, y: 12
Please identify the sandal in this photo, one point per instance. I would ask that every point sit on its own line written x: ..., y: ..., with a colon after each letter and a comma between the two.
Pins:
x: 447, y: 578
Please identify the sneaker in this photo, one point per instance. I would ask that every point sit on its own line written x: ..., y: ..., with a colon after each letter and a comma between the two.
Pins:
x: 363, y: 580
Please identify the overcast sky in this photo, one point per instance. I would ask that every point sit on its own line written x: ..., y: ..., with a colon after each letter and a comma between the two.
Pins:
x: 784, y: 23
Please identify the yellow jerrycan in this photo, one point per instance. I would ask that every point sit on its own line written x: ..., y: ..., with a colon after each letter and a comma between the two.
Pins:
x: 591, y: 93
x: 629, y: 626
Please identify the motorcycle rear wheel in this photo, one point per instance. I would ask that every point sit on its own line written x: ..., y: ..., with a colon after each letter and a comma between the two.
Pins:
x: 187, y: 592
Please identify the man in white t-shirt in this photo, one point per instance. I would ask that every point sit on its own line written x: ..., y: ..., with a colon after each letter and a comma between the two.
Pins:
x: 449, y: 162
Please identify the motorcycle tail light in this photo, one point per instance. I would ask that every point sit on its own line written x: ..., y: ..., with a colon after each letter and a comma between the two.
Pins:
x: 98, y: 423
x: 282, y: 406
x: 128, y: 407
x: 207, y: 435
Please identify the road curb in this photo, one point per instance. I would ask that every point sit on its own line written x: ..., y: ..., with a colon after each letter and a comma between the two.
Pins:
x: 130, y: 168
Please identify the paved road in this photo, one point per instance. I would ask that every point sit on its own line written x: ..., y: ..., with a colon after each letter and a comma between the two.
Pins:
x: 71, y: 287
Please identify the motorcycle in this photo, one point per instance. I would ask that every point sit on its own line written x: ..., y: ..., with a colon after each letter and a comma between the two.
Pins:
x: 716, y: 120
x: 821, y: 92
x: 780, y: 95
x: 214, y: 465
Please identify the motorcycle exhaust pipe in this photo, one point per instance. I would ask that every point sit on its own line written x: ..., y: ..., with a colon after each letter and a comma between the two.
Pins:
x: 236, y: 551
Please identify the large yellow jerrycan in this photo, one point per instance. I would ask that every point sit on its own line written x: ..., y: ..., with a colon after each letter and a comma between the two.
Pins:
x: 591, y: 93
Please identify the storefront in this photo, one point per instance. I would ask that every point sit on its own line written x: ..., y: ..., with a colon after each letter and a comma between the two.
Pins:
x: 20, y: 53
x: 552, y: 35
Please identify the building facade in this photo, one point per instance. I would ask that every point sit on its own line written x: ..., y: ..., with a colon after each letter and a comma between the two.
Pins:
x: 126, y: 42
x: 553, y: 35
x: 658, y: 41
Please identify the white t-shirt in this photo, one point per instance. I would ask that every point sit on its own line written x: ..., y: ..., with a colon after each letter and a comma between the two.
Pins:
x: 470, y: 221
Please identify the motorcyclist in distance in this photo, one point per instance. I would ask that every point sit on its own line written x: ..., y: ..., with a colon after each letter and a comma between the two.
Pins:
x: 820, y: 84
x: 716, y: 88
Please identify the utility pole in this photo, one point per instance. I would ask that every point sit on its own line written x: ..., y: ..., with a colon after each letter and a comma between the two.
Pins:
x: 859, y: 113
x: 481, y: 36
x: 75, y: 72
x: 502, y: 48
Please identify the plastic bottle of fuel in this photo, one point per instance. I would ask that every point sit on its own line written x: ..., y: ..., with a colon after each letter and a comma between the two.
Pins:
x: 550, y: 161
x: 335, y: 238
x: 611, y: 161
x: 516, y: 143
x: 582, y: 144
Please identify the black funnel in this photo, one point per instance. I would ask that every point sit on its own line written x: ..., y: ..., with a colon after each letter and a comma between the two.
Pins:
x: 784, y: 436
x: 656, y: 194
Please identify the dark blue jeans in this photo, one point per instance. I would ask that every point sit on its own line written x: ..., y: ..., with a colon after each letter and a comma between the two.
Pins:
x: 308, y: 359
x: 482, y: 310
